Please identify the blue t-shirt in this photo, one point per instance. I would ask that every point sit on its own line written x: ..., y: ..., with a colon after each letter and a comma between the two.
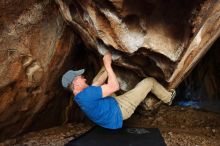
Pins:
x: 104, y: 111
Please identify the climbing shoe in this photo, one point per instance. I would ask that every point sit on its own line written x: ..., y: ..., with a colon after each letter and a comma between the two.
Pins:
x: 172, y: 96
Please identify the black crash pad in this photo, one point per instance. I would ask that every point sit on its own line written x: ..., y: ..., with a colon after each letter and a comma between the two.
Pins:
x: 98, y: 136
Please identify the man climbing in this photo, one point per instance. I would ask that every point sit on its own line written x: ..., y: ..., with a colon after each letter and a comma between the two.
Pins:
x: 96, y: 101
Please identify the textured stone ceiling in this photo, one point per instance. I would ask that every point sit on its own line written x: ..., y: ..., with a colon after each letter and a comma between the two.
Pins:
x: 146, y: 36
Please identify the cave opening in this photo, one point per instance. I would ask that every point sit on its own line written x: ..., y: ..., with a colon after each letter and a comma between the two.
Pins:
x: 201, y: 88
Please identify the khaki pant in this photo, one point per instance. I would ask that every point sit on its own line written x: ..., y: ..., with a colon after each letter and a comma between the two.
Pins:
x: 129, y: 101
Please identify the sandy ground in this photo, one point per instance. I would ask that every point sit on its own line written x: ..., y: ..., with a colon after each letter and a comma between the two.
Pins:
x: 179, y: 127
x: 182, y: 126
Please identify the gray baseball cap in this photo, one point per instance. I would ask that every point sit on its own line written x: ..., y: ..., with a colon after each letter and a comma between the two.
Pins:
x: 70, y: 75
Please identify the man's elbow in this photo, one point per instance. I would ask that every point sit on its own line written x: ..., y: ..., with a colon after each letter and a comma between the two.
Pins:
x: 115, y: 87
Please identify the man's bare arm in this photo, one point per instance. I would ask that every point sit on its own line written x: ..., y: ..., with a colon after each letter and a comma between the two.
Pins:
x: 112, y: 83
x: 100, y: 77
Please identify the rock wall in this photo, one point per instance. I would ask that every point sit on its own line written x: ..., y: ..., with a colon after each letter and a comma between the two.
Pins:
x: 34, y: 43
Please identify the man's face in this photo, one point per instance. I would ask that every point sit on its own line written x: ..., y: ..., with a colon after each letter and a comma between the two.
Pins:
x: 79, y: 81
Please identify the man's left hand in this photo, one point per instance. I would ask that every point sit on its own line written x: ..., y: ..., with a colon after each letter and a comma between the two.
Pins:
x: 107, y: 59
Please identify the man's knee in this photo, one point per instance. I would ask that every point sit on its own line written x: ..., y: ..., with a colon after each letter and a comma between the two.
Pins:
x: 149, y: 80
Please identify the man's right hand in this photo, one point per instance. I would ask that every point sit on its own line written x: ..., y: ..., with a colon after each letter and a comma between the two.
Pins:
x: 112, y: 84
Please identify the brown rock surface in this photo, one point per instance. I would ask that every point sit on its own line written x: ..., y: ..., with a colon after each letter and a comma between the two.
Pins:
x: 34, y: 43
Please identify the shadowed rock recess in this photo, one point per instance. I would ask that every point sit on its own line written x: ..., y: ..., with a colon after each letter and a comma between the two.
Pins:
x: 41, y: 39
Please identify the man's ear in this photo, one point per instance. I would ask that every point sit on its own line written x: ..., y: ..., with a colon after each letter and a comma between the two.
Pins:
x: 69, y: 88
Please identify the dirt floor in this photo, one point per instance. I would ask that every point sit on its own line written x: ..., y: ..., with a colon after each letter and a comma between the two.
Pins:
x: 179, y: 127
x: 182, y: 126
